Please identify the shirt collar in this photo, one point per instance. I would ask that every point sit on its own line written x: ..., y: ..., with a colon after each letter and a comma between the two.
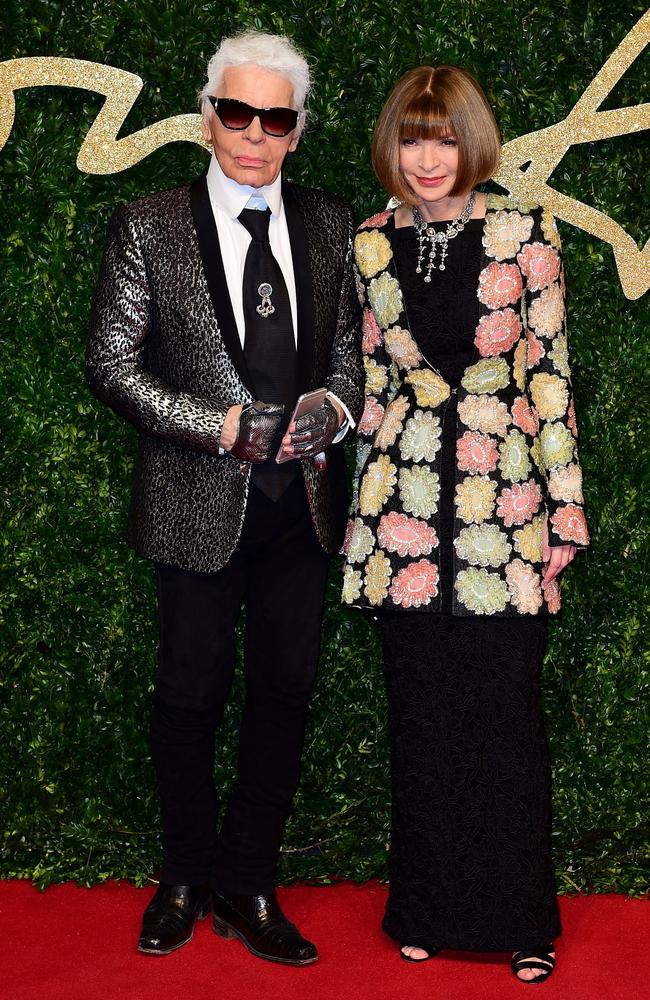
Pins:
x: 232, y: 197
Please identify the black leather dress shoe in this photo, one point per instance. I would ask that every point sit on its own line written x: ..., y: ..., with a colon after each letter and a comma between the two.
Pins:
x: 260, y: 924
x: 168, y: 921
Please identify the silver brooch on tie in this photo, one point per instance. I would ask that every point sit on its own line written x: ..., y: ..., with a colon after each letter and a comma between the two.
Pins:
x: 266, y: 307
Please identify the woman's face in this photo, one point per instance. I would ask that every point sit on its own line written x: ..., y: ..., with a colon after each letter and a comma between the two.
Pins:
x: 429, y: 166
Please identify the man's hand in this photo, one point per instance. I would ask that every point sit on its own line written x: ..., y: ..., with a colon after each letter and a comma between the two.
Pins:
x: 248, y: 431
x: 555, y: 557
x: 314, y: 431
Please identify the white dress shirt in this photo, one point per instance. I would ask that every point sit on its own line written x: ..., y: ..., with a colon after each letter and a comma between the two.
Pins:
x: 228, y: 199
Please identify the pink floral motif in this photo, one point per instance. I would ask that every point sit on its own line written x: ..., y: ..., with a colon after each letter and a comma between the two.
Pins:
x: 571, y: 419
x: 552, y: 596
x: 373, y: 414
x: 497, y: 332
x: 376, y: 220
x: 415, y: 584
x: 519, y: 503
x: 535, y: 349
x: 348, y: 537
x: 477, y: 453
x: 406, y: 535
x: 371, y: 332
x: 540, y: 264
x: 569, y: 524
x: 524, y: 416
x: 499, y: 285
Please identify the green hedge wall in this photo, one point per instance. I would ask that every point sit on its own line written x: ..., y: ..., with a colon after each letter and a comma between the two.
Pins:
x: 78, y: 630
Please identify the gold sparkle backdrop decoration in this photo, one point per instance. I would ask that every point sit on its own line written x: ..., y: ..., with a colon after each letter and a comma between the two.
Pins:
x: 526, y: 162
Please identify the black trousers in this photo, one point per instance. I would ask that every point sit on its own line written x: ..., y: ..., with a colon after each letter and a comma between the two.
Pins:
x: 278, y: 572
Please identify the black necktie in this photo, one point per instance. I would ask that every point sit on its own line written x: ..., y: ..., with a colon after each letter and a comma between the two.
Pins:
x: 269, y: 344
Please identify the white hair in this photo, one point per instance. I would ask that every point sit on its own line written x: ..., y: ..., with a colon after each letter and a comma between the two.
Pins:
x: 258, y: 48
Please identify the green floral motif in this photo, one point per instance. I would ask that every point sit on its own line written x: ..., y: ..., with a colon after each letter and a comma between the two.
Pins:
x: 385, y: 296
x: 483, y: 545
x: 506, y: 201
x: 482, y: 592
x: 487, y: 375
x: 419, y: 490
x: 361, y: 542
x: 514, y: 463
x: 560, y: 355
x: 421, y: 438
x: 557, y: 444
x: 351, y: 585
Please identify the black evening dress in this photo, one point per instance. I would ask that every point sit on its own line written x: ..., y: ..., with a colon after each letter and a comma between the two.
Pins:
x: 470, y: 864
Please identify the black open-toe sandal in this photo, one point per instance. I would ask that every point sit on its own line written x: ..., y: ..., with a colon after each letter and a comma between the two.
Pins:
x: 429, y: 948
x: 538, y: 959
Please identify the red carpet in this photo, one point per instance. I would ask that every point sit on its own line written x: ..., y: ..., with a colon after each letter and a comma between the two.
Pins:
x: 79, y: 944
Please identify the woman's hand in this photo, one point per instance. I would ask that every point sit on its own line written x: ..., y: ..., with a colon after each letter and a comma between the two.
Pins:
x: 555, y: 557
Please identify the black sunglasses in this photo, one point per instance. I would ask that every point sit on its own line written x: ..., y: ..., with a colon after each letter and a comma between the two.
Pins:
x: 237, y: 116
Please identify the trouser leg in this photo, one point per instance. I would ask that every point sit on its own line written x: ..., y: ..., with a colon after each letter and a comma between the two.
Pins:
x: 284, y: 605
x: 197, y: 616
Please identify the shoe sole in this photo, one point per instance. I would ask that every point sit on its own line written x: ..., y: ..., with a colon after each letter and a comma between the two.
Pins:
x: 167, y: 951
x: 225, y: 930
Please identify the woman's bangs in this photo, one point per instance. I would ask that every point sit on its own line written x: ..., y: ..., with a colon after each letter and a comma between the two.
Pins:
x: 425, y: 118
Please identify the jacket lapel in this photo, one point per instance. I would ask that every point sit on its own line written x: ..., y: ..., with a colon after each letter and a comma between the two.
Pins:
x: 304, y: 288
x: 215, y: 276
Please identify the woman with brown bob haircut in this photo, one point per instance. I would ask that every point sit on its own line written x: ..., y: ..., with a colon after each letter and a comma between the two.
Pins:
x: 468, y: 505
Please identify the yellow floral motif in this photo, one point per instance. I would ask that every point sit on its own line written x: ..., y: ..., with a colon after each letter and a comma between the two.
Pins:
x: 487, y: 375
x: 557, y: 444
x: 351, y: 585
x: 377, y: 578
x: 519, y: 365
x: 484, y: 413
x: 372, y: 252
x: 528, y: 540
x: 525, y: 586
x: 550, y: 395
x: 385, y: 297
x: 392, y: 424
x: 376, y: 376
x: 377, y: 485
x: 550, y: 230
x: 419, y: 489
x: 504, y: 232
x: 535, y: 451
x: 514, y: 462
x: 430, y: 389
x: 480, y: 591
x: 483, y: 545
x: 475, y: 499
x: 402, y: 348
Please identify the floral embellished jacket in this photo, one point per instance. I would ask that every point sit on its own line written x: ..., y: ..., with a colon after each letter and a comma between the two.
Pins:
x: 516, y: 455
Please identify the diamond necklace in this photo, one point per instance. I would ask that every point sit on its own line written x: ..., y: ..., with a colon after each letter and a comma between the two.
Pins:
x: 430, y: 236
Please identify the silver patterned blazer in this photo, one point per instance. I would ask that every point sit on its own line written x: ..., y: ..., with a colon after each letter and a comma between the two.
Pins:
x: 164, y: 353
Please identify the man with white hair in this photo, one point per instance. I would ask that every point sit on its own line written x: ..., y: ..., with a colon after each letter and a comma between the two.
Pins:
x: 218, y: 306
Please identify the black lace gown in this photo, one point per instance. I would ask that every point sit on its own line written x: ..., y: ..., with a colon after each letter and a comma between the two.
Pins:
x: 470, y: 863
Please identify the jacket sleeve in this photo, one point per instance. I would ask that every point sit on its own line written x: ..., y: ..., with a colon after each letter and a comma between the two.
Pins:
x: 345, y: 376
x: 548, y: 383
x: 121, y: 321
